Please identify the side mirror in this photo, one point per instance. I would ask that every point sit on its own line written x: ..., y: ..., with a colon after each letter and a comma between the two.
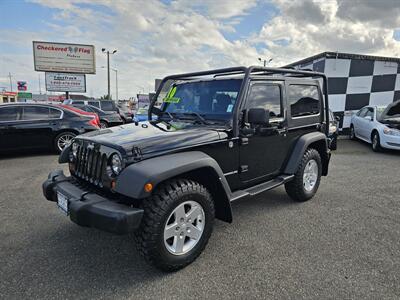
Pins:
x: 369, y: 118
x: 258, y: 116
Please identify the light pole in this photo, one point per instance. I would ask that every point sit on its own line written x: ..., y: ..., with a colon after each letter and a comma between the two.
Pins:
x: 264, y: 61
x: 9, y: 75
x: 108, y: 68
x: 116, y: 81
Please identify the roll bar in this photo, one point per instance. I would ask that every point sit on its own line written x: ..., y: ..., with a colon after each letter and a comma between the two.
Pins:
x: 247, y: 72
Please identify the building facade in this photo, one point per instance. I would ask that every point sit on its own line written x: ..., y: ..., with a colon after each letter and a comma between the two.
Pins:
x: 355, y: 81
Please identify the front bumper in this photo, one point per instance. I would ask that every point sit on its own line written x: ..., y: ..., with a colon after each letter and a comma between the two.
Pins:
x: 390, y: 141
x: 89, y: 209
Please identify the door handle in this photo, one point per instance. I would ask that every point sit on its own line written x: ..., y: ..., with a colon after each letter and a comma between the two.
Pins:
x: 10, y: 127
x: 282, y: 131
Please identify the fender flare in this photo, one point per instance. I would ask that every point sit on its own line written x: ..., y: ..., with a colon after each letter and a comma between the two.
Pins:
x: 155, y: 170
x: 301, y: 145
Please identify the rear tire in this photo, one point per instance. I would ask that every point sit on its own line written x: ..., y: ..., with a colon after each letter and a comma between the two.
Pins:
x: 307, y: 177
x: 376, y: 142
x: 177, y: 224
x: 103, y: 124
x: 352, y: 132
x: 62, y: 140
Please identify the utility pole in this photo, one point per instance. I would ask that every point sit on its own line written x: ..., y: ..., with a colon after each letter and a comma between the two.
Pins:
x: 108, y: 70
x: 9, y: 75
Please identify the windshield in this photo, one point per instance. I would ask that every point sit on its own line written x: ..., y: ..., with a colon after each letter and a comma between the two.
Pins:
x: 379, y: 111
x: 211, y: 99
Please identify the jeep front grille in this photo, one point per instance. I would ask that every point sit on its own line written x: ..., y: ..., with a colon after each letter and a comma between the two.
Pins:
x: 90, y: 164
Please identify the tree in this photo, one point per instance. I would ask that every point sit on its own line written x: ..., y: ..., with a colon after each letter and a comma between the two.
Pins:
x: 105, y: 97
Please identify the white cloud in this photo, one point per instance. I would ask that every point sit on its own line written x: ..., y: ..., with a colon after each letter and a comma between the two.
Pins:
x: 156, y: 39
x: 316, y: 26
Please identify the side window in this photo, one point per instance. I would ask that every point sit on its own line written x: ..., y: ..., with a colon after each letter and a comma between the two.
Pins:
x: 55, y: 113
x: 267, y: 96
x: 35, y: 113
x: 369, y: 113
x: 94, y: 103
x: 8, y: 114
x: 304, y: 100
x: 362, y: 112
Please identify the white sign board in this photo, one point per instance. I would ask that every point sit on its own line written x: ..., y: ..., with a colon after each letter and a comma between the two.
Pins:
x: 69, y: 58
x: 64, y: 82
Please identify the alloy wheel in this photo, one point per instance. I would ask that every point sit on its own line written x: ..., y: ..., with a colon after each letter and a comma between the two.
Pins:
x: 184, y: 228
x: 310, y: 175
x: 64, y: 140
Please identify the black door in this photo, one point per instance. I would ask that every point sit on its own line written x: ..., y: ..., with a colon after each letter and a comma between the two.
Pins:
x: 35, y: 127
x: 263, y: 151
x: 9, y: 138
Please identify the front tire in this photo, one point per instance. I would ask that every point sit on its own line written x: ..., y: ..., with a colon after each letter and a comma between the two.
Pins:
x: 307, y: 177
x: 62, y: 140
x: 376, y: 142
x: 177, y: 224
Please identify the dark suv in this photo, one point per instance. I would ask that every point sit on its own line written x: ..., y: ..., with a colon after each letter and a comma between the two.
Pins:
x: 220, y: 136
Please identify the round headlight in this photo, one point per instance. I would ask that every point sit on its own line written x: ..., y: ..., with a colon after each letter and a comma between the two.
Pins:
x: 74, y: 149
x: 116, y: 164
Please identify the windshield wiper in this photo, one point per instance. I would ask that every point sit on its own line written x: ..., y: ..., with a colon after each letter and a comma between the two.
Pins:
x: 199, y: 117
x: 171, y: 117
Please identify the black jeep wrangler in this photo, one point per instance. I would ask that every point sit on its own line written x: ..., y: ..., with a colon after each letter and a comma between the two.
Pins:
x: 217, y: 137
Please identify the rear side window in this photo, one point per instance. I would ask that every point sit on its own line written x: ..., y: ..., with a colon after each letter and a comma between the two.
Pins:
x: 8, y: 114
x: 94, y: 103
x: 35, y: 113
x: 266, y: 96
x: 55, y: 113
x: 304, y: 100
x: 108, y: 105
x: 78, y: 102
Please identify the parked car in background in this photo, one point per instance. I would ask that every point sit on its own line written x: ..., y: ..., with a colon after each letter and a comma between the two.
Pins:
x: 333, y: 130
x: 377, y: 125
x: 125, y: 113
x: 105, y: 105
x: 107, y: 118
x: 82, y: 112
x: 141, y: 115
x: 40, y: 126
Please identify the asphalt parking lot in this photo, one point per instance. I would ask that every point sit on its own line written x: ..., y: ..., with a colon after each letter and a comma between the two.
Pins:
x: 344, y: 243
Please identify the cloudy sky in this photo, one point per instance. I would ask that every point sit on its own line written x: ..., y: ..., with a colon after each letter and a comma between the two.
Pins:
x: 156, y: 38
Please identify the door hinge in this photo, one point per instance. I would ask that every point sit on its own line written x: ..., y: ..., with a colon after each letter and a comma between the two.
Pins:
x: 243, y: 168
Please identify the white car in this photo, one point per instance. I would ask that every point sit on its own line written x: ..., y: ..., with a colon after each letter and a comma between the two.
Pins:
x: 377, y: 125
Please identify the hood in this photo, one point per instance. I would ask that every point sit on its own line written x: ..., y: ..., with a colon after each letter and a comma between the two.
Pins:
x: 391, y: 115
x: 152, y: 138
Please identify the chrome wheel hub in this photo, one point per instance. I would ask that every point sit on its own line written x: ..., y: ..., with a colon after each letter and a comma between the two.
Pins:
x: 184, y: 227
x: 310, y: 175
x: 64, y: 141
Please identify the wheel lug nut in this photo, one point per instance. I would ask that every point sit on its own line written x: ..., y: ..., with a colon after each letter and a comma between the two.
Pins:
x: 177, y: 228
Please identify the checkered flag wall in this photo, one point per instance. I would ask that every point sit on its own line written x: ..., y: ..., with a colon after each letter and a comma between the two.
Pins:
x: 354, y: 83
